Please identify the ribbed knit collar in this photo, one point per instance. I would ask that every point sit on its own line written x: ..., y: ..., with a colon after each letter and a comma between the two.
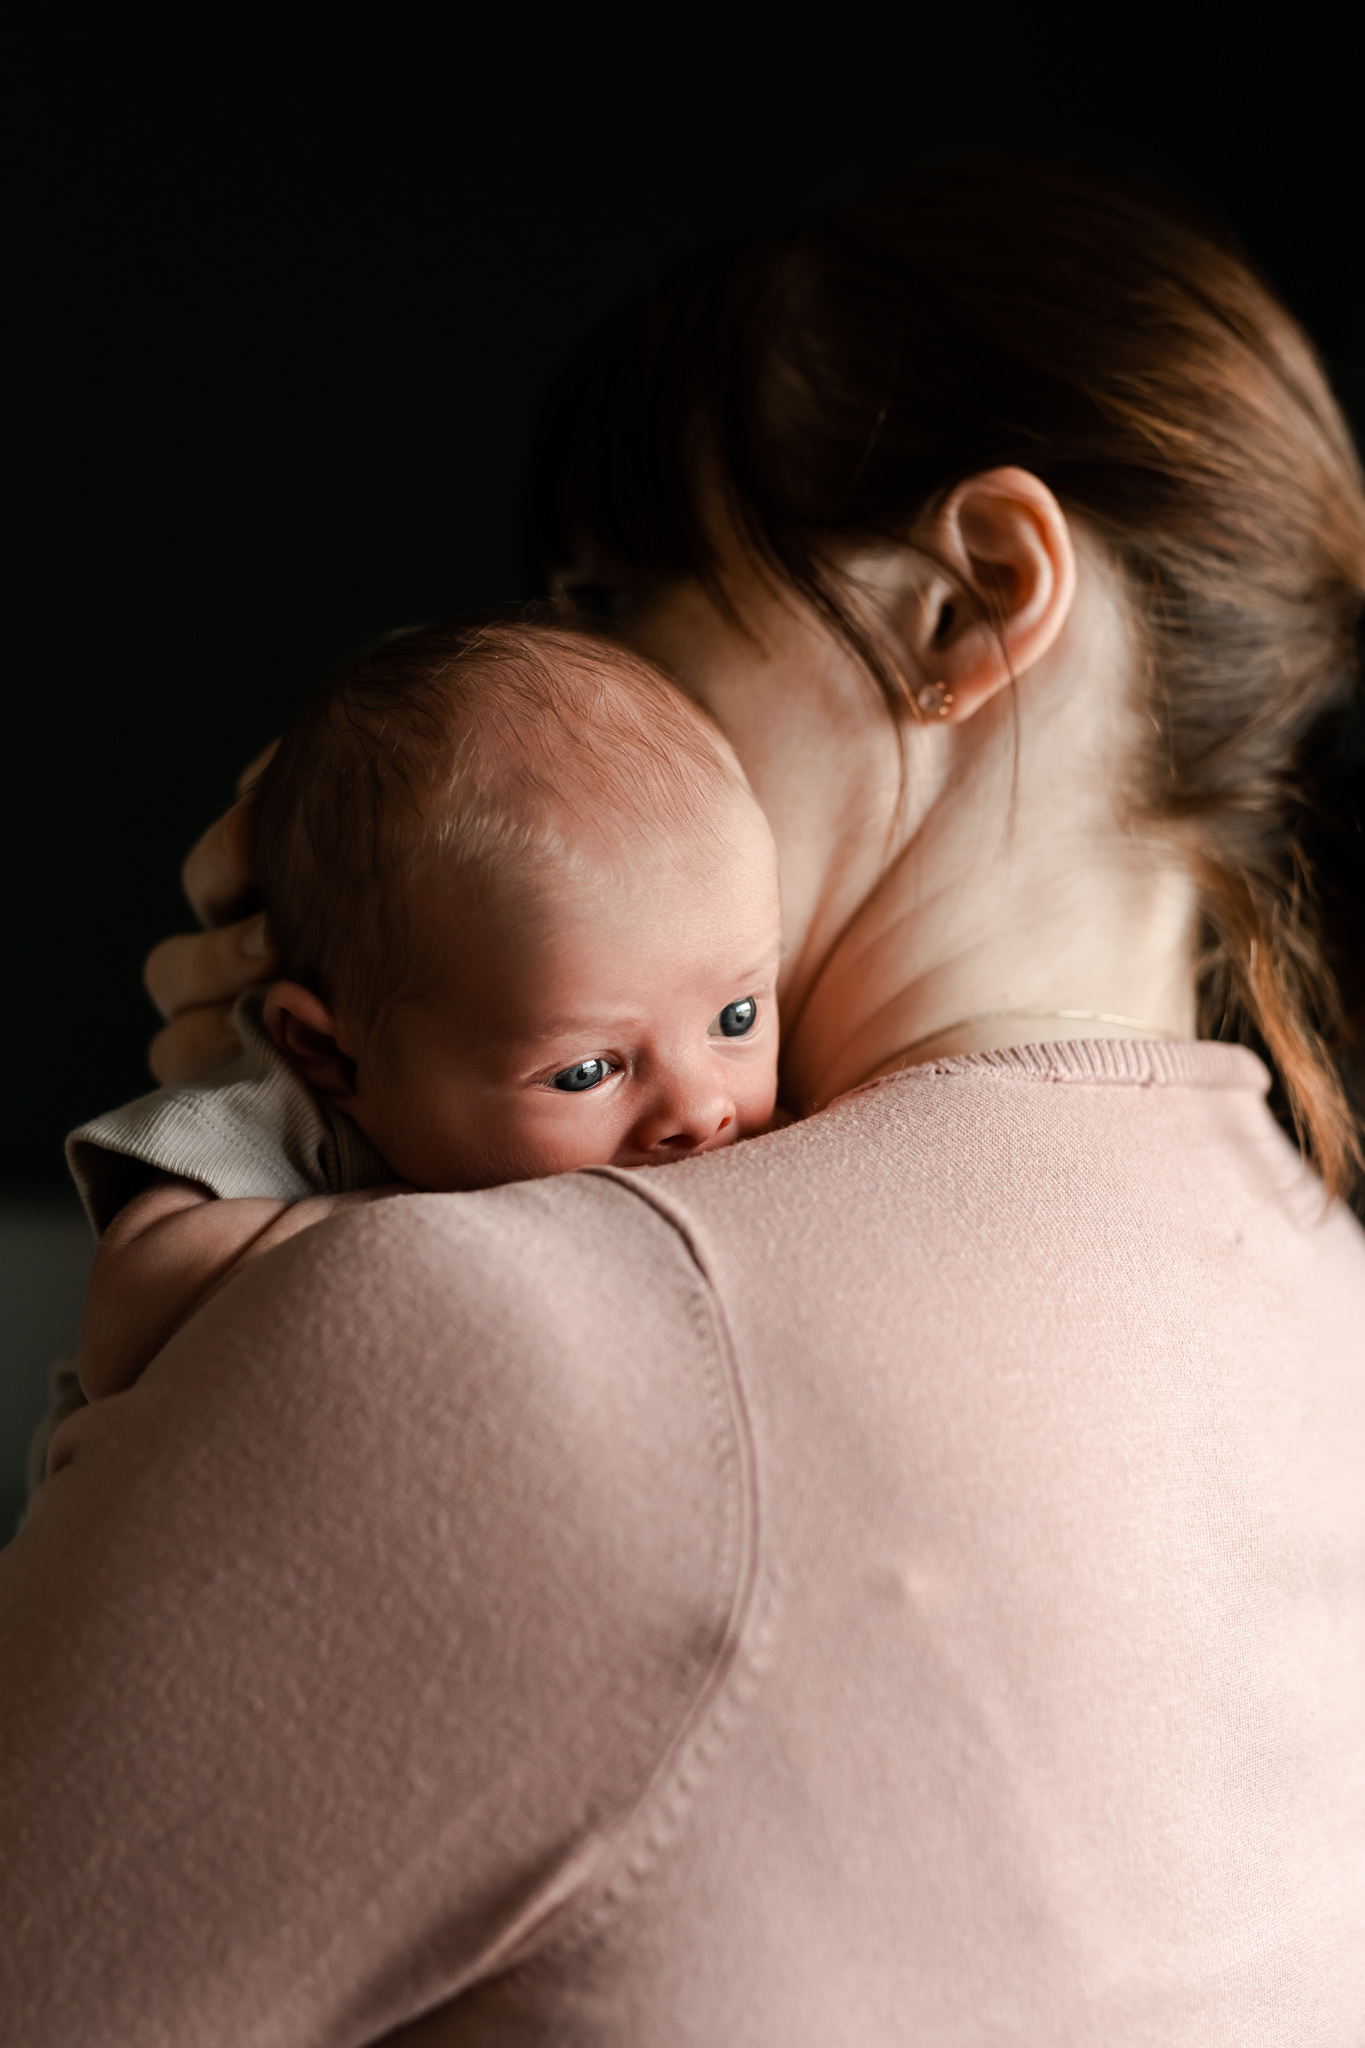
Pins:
x: 1125, y: 1062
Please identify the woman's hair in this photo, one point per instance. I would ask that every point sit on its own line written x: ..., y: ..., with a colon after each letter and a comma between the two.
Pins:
x: 466, y: 749
x: 841, y: 376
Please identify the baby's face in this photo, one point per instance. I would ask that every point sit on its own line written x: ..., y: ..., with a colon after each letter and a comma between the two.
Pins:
x: 624, y: 1017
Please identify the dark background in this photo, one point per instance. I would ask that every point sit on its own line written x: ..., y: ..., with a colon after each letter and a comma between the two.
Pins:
x: 289, y: 279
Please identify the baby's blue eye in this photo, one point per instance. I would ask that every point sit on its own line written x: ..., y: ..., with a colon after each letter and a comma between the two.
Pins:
x: 586, y: 1074
x: 738, y: 1018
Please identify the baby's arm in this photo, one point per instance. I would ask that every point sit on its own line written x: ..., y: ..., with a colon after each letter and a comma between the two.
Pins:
x: 173, y: 1246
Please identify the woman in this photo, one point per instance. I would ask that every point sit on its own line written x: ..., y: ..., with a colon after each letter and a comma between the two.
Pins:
x: 902, y: 1579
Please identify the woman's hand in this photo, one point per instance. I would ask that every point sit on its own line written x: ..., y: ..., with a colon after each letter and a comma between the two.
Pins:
x: 195, y: 978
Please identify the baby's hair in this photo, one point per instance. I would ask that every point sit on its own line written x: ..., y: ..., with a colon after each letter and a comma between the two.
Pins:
x: 469, y: 747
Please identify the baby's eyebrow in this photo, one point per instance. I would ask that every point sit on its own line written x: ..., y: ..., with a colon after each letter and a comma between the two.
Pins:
x: 767, y: 965
x: 545, y: 1029
x: 602, y: 1024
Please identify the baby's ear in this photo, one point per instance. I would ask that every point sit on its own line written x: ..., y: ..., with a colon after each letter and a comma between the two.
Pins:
x: 305, y: 1031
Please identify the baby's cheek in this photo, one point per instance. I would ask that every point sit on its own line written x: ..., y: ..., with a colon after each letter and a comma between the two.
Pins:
x: 426, y: 1145
x: 756, y: 1099
x: 558, y: 1133
x: 534, y: 1136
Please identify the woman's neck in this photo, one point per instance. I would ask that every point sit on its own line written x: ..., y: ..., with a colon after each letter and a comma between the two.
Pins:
x: 1008, y: 916
x: 1117, y: 967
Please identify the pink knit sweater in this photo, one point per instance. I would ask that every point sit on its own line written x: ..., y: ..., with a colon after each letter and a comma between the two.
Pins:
x: 901, y: 1581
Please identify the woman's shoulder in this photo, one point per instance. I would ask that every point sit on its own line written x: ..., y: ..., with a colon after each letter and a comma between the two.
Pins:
x: 1053, y: 1159
x: 429, y: 1531
x: 546, y: 1361
x: 559, y: 1330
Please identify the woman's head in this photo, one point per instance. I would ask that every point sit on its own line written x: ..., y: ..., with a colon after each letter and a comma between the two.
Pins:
x: 830, y: 386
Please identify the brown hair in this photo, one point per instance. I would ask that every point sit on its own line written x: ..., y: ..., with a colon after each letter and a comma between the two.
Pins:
x: 466, y: 745
x: 844, y: 374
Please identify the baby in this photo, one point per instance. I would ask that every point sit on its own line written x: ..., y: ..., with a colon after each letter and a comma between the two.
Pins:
x: 529, y: 908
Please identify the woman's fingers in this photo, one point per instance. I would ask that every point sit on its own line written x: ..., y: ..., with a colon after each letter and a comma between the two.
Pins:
x: 195, y: 977
x: 198, y: 968
x: 192, y: 1043
x: 217, y: 871
x: 256, y: 767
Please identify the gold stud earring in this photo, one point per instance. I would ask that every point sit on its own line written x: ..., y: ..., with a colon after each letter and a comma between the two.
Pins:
x: 935, y: 700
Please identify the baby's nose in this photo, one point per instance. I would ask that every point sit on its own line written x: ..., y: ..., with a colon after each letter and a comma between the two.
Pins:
x: 680, y: 1142
x: 687, y: 1122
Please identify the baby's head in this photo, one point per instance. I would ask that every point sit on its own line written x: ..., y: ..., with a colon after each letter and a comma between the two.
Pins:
x: 528, y: 905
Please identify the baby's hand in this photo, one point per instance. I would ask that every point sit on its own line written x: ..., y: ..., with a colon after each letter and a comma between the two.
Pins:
x: 162, y: 1258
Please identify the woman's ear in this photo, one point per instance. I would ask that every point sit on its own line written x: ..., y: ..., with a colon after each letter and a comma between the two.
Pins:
x: 996, y: 586
x: 305, y: 1031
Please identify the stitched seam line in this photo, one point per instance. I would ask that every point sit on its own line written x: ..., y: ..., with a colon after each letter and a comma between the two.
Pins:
x: 629, y: 1848
x: 1159, y: 1068
x: 600, y: 1873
